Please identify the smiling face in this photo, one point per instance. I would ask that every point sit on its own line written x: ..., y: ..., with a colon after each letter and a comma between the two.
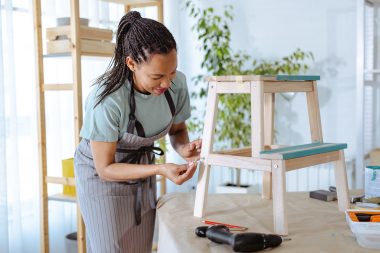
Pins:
x: 155, y: 75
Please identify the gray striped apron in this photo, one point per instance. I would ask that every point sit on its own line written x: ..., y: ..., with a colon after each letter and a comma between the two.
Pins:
x: 120, y: 216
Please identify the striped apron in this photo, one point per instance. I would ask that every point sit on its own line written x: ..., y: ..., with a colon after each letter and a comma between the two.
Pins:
x: 120, y: 216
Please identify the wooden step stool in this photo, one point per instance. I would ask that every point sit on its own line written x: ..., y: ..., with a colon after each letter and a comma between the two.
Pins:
x: 264, y: 156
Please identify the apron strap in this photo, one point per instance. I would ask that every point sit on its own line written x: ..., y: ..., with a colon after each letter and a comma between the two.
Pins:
x: 169, y: 99
x: 138, y: 203
x: 152, y: 200
x: 133, y: 122
x: 138, y: 199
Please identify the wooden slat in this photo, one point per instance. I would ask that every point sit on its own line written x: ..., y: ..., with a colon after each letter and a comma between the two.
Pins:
x: 58, y: 87
x: 280, y: 87
x: 297, y: 78
x: 127, y: 8
x: 85, y: 32
x: 81, y: 233
x: 160, y: 11
x: 314, y: 114
x: 77, y: 97
x: 341, y: 182
x: 88, y: 47
x: 138, y: 3
x: 307, y: 161
x: 280, y: 220
x: 70, y: 181
x: 77, y: 69
x: 246, y: 151
x: 240, y: 78
x: 292, y: 152
x: 269, y: 104
x: 257, y: 117
x: 207, y: 145
x: 63, y: 198
x: 233, y: 87
x: 240, y: 162
x: 41, y: 133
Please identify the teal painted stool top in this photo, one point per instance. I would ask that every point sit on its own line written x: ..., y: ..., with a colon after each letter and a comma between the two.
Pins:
x: 244, y: 78
x: 374, y: 167
x: 302, y: 150
x: 297, y: 78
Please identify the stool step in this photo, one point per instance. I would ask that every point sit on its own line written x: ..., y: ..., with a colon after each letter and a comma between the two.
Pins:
x: 302, y: 150
x: 297, y: 78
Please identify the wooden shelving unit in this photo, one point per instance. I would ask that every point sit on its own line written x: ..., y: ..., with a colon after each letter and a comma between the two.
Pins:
x: 75, y: 50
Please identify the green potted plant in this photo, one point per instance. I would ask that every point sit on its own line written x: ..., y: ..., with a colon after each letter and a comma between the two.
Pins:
x: 214, y: 36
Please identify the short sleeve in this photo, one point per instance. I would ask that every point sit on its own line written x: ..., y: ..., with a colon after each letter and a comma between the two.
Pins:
x: 183, y: 102
x: 101, y: 123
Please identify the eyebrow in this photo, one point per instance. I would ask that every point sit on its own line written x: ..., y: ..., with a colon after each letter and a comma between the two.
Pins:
x: 160, y: 75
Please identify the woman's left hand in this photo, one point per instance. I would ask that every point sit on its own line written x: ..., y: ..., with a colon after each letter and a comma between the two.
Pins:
x: 191, y: 151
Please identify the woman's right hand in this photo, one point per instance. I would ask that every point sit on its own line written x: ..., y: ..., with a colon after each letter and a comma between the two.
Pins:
x: 177, y: 173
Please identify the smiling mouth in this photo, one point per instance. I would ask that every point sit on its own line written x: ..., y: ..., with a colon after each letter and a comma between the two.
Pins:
x: 160, y: 91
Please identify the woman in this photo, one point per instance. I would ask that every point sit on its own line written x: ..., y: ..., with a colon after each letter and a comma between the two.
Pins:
x: 139, y: 99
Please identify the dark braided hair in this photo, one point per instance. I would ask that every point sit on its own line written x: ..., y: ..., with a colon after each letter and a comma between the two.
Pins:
x: 137, y: 38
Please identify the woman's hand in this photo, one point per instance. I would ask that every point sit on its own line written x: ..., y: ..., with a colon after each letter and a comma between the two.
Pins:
x: 178, y: 174
x: 191, y: 151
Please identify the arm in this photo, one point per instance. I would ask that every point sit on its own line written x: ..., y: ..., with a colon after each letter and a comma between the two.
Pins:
x: 179, y: 138
x: 104, y: 154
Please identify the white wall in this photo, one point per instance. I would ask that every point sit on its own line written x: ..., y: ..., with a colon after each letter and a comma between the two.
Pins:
x: 274, y: 28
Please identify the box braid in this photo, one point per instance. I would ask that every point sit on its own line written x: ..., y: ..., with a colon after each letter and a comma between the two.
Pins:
x: 138, y: 38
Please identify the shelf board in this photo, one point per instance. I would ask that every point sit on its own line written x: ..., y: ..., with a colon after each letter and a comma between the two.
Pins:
x: 62, y: 197
x: 87, y: 47
x: 70, y: 181
x: 134, y: 2
x: 83, y: 54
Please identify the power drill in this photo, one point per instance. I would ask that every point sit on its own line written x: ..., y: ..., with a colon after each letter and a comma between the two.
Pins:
x: 242, y: 242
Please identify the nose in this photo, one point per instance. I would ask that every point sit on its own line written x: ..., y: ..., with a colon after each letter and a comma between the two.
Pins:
x: 165, y: 83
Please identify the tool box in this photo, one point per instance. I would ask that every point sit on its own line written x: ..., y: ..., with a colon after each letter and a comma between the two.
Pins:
x: 365, y: 225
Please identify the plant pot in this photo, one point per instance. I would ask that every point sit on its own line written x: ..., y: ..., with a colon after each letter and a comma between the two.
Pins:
x: 232, y: 188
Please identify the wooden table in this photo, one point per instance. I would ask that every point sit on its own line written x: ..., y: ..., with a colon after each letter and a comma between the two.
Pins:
x: 314, y: 225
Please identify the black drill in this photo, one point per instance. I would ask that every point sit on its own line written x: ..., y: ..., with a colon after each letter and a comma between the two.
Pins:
x: 242, y: 242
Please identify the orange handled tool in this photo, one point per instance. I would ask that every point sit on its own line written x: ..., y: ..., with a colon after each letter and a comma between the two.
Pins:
x: 230, y: 226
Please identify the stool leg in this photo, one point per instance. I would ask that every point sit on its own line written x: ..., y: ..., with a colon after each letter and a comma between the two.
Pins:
x: 341, y: 182
x: 314, y: 114
x: 267, y: 185
x: 202, y: 190
x: 207, y: 143
x: 280, y: 221
x: 269, y: 102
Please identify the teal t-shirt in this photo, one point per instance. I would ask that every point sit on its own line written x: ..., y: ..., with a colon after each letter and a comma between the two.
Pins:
x: 108, y: 121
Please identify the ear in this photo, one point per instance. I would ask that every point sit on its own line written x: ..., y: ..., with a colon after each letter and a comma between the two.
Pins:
x: 130, y: 63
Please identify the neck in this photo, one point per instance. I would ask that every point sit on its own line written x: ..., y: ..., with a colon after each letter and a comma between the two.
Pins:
x: 138, y: 87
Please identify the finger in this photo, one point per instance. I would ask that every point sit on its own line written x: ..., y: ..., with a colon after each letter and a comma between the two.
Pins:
x: 191, y: 172
x: 182, y: 169
x: 191, y: 169
x: 191, y: 163
x: 198, y: 145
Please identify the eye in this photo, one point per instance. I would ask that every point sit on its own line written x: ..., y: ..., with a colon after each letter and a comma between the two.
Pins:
x: 156, y: 78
